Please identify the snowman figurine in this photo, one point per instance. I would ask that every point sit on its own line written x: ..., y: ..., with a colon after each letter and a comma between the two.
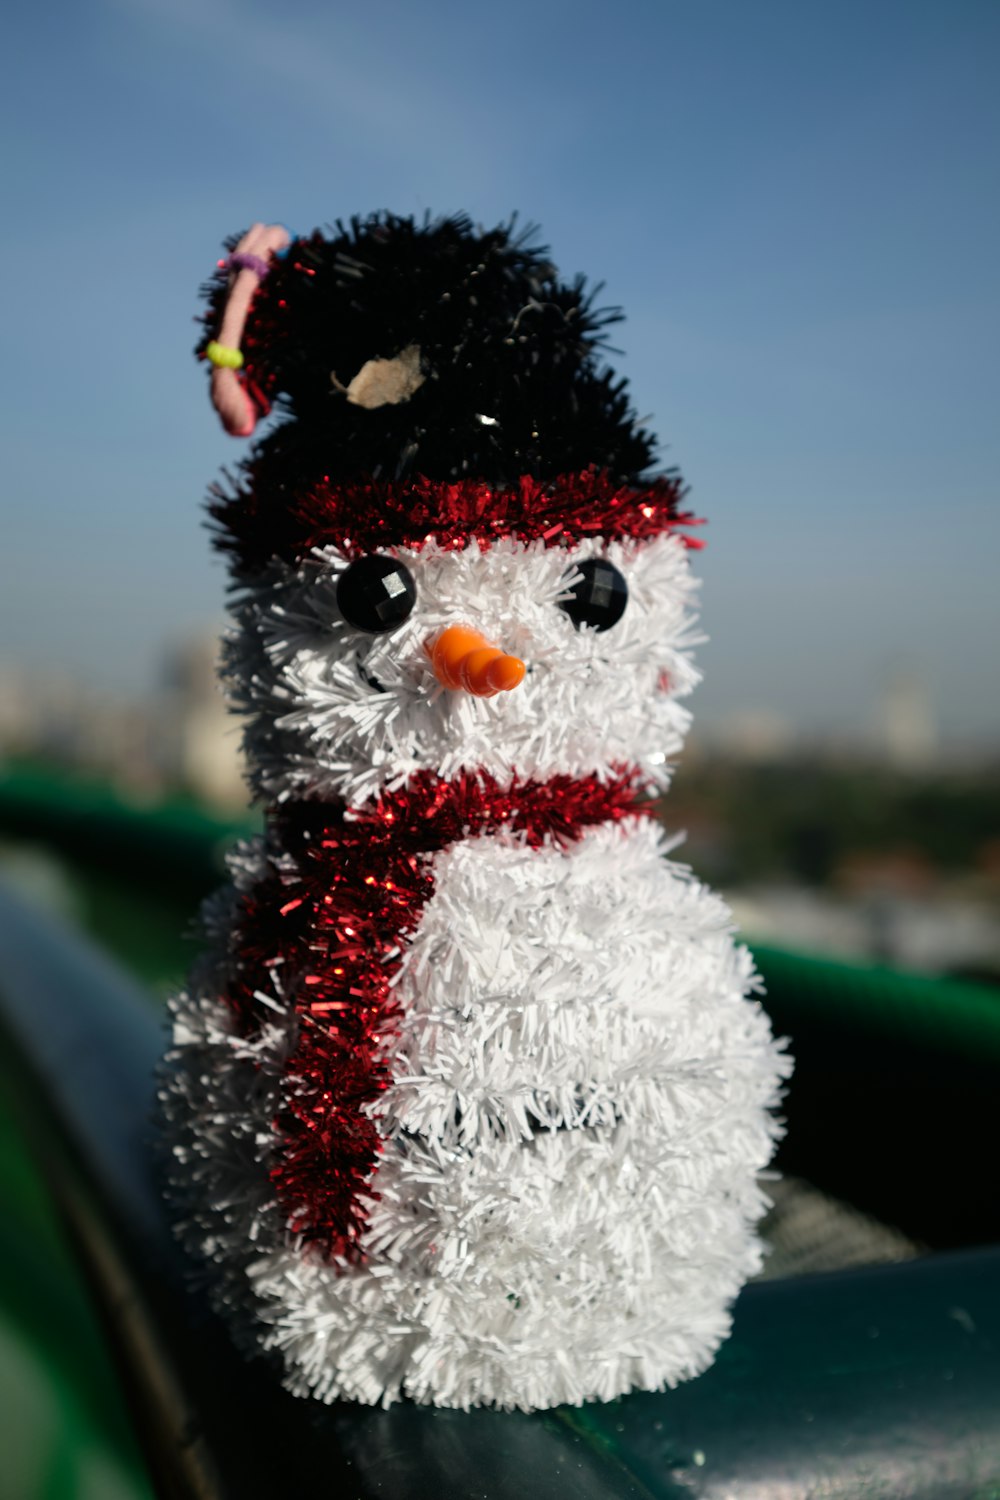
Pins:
x: 469, y: 1095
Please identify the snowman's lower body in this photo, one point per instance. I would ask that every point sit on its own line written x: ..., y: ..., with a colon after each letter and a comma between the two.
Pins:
x: 579, y: 1106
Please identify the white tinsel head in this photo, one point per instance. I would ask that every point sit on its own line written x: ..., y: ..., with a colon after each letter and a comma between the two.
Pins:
x: 335, y: 711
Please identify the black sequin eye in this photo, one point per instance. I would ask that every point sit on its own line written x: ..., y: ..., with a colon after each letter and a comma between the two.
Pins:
x: 598, y: 595
x: 376, y: 593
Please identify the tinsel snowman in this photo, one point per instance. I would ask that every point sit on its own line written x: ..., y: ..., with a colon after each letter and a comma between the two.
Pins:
x: 469, y: 1094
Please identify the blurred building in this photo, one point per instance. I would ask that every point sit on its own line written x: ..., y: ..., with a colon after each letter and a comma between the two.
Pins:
x: 179, y: 738
x: 933, y: 932
x: 750, y: 735
x: 909, y: 733
x: 208, y: 758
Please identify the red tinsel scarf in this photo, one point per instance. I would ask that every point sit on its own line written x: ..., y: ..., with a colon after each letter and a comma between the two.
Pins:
x: 323, y: 932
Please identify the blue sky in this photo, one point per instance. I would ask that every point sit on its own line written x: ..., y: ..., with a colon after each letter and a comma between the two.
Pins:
x: 796, y: 203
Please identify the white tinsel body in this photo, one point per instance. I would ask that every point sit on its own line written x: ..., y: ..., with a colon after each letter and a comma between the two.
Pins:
x: 580, y: 1105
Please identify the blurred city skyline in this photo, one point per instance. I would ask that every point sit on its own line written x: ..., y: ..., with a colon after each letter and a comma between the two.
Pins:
x: 797, y: 208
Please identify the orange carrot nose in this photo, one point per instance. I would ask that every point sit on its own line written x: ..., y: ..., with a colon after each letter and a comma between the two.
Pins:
x: 462, y: 658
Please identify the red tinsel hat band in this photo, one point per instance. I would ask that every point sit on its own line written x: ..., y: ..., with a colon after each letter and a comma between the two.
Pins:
x: 259, y: 521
